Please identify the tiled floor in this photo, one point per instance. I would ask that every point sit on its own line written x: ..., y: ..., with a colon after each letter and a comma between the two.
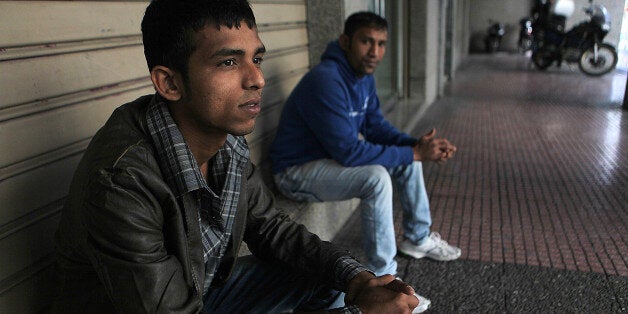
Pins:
x: 537, y: 195
x: 541, y: 174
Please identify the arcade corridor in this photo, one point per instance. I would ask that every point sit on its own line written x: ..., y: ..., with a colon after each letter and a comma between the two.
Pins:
x: 536, y: 197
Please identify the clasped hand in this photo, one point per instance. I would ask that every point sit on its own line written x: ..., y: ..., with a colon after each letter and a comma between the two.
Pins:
x: 433, y: 149
x: 383, y: 294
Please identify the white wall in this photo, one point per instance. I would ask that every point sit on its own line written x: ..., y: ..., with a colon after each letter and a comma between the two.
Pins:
x: 355, y: 6
x: 508, y: 12
x: 425, y: 49
x: 615, y: 9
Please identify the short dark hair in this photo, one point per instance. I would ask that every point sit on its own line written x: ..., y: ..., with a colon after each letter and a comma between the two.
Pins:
x: 364, y: 19
x: 168, y: 27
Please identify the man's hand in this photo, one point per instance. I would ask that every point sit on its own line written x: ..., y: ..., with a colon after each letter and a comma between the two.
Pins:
x: 382, y: 294
x: 433, y: 149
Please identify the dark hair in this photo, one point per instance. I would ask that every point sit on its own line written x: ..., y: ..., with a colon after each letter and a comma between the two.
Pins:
x: 168, y: 27
x: 364, y: 19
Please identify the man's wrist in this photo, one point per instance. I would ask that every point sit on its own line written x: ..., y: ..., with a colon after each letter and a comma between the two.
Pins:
x: 345, y: 269
x: 356, y: 285
x: 416, y: 152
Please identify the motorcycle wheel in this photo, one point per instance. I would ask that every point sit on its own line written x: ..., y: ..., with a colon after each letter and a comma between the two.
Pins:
x: 542, y: 59
x: 606, y: 60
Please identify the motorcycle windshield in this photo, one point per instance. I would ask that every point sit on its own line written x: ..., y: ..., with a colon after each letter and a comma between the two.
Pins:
x: 600, y: 16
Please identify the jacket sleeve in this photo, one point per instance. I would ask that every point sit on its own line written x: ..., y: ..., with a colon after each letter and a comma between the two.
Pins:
x: 272, y: 236
x: 125, y: 223
x: 325, y: 109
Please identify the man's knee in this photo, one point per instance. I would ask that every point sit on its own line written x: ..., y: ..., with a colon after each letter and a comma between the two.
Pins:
x: 377, y: 177
x: 410, y: 172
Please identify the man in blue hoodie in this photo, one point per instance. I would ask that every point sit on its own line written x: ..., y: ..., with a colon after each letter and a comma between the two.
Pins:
x: 333, y: 143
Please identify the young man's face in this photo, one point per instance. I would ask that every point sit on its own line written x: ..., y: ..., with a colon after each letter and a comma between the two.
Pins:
x: 365, y: 49
x: 224, y: 87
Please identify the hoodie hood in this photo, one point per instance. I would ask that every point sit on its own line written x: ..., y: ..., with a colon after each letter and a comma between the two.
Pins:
x: 335, y: 54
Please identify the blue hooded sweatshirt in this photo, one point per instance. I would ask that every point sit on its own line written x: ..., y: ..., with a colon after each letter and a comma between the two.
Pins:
x: 325, y: 114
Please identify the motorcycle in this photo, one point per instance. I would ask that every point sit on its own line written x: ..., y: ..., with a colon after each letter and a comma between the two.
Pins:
x: 582, y: 44
x: 526, y: 39
x: 494, y: 36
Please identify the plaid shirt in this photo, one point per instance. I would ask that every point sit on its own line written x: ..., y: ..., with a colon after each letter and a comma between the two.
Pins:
x: 216, y: 210
x: 217, y: 198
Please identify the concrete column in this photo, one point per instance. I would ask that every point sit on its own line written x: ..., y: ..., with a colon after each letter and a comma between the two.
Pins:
x: 325, y: 21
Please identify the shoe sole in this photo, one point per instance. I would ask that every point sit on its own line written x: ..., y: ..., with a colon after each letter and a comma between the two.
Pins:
x: 421, y: 309
x: 422, y: 255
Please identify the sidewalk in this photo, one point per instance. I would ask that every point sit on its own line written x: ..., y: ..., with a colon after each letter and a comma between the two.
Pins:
x: 536, y: 197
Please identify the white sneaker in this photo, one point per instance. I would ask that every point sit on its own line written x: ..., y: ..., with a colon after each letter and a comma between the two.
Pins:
x: 433, y: 247
x: 424, y: 304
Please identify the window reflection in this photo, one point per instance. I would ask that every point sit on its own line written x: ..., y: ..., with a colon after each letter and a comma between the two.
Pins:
x: 611, y: 140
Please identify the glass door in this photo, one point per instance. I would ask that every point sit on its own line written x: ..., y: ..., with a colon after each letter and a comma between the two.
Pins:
x: 386, y: 74
x: 392, y: 74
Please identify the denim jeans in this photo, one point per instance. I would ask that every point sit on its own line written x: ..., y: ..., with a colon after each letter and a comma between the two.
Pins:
x: 258, y: 287
x: 326, y: 180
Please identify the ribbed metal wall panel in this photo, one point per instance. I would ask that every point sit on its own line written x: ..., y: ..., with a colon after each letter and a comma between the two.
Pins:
x: 64, y: 67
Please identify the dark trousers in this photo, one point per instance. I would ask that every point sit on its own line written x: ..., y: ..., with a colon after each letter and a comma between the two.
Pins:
x: 258, y: 287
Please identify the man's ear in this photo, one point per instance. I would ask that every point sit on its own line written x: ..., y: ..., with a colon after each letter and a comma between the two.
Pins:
x: 167, y: 82
x: 344, y: 41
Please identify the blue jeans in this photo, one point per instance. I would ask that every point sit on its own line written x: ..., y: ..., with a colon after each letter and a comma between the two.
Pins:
x: 258, y: 287
x: 326, y: 180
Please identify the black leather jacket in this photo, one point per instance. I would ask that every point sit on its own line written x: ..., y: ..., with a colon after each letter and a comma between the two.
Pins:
x: 126, y: 244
